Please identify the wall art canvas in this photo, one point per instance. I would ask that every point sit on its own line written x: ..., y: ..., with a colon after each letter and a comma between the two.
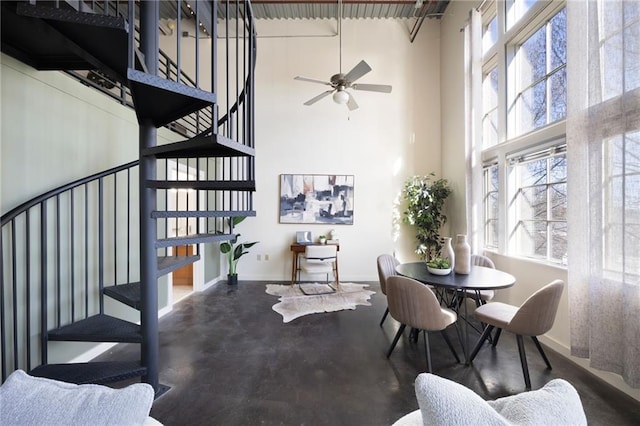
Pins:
x: 316, y: 199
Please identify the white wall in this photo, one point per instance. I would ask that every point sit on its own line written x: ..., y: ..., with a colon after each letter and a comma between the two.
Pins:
x: 390, y: 137
x: 530, y: 276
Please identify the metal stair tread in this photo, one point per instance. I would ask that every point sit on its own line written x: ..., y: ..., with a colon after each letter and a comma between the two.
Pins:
x: 208, y: 145
x: 168, y: 264
x: 98, y: 328
x: 162, y: 101
x: 129, y: 294
x: 65, y: 39
x: 192, y: 239
x: 201, y: 213
x: 221, y: 185
x: 99, y: 373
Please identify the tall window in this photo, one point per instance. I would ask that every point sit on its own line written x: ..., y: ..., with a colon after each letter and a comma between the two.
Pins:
x: 490, y: 108
x: 539, y: 83
x: 490, y: 205
x: 539, y: 205
x: 524, y: 106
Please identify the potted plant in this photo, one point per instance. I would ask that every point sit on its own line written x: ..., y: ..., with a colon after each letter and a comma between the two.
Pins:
x: 439, y: 266
x: 322, y: 239
x: 425, y: 199
x: 234, y: 251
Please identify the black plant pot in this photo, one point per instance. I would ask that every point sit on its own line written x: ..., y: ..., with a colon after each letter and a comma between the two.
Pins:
x: 232, y: 279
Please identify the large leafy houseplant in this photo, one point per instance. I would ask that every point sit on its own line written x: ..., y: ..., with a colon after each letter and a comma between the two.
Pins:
x: 234, y: 250
x: 425, y: 197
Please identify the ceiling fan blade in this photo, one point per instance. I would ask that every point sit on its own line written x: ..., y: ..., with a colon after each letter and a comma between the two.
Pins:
x: 351, y: 103
x: 383, y: 88
x: 312, y: 80
x: 317, y: 98
x: 358, y: 71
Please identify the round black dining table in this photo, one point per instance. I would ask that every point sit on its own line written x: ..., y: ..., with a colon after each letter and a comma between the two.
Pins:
x: 479, y: 278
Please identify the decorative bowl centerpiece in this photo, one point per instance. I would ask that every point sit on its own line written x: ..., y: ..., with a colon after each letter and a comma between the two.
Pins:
x: 439, y: 266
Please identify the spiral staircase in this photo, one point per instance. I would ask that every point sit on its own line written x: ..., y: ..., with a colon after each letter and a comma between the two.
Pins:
x: 109, y: 235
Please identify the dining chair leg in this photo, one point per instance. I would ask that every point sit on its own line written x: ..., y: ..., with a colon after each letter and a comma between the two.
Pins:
x: 496, y: 337
x: 395, y: 339
x: 427, y: 350
x: 458, y: 333
x: 414, y: 335
x: 386, y: 312
x: 523, y: 362
x: 483, y: 337
x: 446, y: 339
x: 544, y: 356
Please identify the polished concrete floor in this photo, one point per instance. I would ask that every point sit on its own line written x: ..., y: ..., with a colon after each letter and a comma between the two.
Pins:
x: 230, y: 360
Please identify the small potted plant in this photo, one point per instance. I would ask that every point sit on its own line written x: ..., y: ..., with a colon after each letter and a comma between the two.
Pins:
x: 439, y: 266
x: 234, y: 251
x: 322, y: 239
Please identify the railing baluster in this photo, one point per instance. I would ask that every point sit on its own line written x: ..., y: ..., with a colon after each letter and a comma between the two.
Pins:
x: 86, y: 250
x: 58, y: 285
x: 100, y: 243
x: 128, y: 225
x: 3, y: 330
x: 72, y: 272
x: 44, y: 325
x: 237, y: 133
x: 14, y: 292
x: 27, y: 285
x: 115, y: 229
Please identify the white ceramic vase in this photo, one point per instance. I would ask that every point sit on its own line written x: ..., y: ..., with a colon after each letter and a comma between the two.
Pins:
x: 447, y: 251
x: 463, y: 255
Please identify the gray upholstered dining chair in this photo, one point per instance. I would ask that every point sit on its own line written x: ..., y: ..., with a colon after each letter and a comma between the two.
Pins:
x: 386, y: 268
x: 413, y: 304
x: 483, y: 296
x: 533, y: 318
x: 321, y: 259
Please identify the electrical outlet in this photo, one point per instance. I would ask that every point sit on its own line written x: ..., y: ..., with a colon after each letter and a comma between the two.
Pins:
x: 266, y: 257
x: 259, y: 257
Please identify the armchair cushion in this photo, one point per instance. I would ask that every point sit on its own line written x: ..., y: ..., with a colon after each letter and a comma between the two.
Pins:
x: 444, y: 402
x: 28, y: 400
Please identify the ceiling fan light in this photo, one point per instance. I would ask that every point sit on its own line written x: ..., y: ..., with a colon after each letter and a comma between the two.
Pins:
x: 341, y: 97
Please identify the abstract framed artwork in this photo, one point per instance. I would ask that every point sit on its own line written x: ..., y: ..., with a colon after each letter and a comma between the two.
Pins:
x: 321, y: 199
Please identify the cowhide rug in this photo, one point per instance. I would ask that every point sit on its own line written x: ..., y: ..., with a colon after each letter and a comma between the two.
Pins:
x: 294, y: 304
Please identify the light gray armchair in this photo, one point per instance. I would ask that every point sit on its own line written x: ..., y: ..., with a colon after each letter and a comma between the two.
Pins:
x: 443, y: 402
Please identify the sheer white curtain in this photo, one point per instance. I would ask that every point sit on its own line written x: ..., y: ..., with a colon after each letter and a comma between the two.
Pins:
x: 473, y: 130
x: 603, y: 152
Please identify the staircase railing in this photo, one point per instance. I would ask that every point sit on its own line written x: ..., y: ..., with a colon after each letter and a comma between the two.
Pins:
x: 55, y: 248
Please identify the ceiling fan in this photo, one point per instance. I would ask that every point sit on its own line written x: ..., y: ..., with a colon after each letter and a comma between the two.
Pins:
x: 341, y: 82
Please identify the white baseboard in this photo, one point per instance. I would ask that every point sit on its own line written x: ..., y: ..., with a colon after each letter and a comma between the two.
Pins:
x: 613, y: 379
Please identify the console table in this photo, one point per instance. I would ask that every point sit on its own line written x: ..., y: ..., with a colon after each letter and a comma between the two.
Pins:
x: 296, y: 250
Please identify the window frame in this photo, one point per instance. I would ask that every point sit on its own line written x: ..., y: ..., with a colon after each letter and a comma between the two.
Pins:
x: 551, y: 134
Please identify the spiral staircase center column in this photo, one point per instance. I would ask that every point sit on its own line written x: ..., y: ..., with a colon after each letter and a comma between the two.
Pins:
x: 149, y: 15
